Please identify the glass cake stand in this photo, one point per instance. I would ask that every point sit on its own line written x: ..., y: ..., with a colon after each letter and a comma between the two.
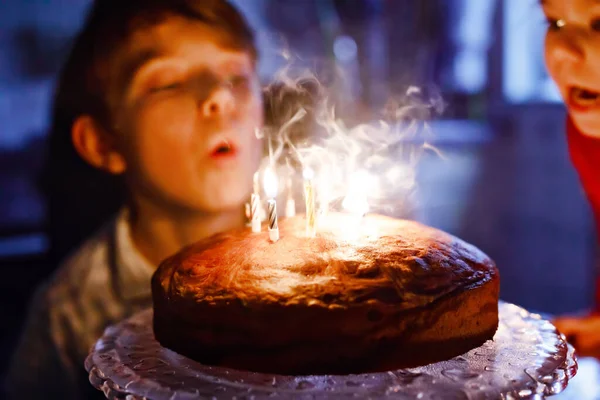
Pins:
x: 528, y: 359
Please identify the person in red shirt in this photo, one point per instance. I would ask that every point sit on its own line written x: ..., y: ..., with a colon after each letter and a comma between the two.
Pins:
x: 572, y: 52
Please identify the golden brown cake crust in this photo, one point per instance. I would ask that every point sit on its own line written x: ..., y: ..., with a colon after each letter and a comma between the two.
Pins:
x: 393, y: 283
x: 413, y: 265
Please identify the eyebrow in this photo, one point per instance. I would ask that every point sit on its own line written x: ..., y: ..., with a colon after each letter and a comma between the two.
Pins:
x: 134, y: 64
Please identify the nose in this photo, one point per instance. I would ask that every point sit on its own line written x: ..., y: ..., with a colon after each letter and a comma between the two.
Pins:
x: 219, y: 102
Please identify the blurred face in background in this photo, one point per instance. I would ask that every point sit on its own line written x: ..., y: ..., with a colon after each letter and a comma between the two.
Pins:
x: 572, y: 52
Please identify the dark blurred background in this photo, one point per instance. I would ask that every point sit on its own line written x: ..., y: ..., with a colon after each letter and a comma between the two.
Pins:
x: 505, y: 184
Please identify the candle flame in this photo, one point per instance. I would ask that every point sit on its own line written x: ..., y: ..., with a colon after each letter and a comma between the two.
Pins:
x: 356, y: 201
x: 308, y: 173
x: 357, y: 166
x: 270, y: 183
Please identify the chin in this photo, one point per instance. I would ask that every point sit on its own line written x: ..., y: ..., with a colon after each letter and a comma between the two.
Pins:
x: 588, y: 126
x: 220, y: 201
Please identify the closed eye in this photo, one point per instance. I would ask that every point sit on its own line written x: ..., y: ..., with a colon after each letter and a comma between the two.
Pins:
x: 170, y: 86
x: 239, y: 80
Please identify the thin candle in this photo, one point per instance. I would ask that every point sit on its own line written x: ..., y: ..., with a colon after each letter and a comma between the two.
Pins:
x: 270, y: 184
x: 323, y: 194
x: 273, y: 227
x: 255, y: 206
x: 355, y: 201
x: 248, y: 213
x: 309, y: 198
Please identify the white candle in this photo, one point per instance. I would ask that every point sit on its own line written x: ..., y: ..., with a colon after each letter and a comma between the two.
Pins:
x: 323, y: 191
x: 255, y: 207
x: 290, y: 207
x: 270, y: 184
x: 356, y: 202
x: 248, y: 211
x: 309, y: 198
x: 273, y: 227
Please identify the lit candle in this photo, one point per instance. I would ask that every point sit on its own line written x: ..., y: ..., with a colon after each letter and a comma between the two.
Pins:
x: 270, y: 182
x: 355, y: 201
x: 290, y: 204
x: 255, y: 206
x: 248, y: 211
x: 273, y: 227
x: 309, y: 197
x: 323, y: 192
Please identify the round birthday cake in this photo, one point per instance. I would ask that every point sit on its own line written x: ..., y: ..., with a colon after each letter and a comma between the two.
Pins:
x: 362, y: 296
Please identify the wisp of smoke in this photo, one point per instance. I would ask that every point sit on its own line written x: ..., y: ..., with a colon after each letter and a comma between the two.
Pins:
x: 378, y: 158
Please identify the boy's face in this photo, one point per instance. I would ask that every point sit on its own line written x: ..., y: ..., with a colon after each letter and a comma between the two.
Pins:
x: 188, y: 118
x: 572, y: 53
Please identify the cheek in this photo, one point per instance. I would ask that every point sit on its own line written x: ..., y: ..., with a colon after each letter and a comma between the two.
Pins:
x: 164, y: 137
x: 549, y: 47
x: 168, y: 116
x: 554, y: 61
x: 252, y: 120
x: 594, y: 54
x: 553, y: 64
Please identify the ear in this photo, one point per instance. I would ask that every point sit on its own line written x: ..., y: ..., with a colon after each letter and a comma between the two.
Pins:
x: 96, y: 146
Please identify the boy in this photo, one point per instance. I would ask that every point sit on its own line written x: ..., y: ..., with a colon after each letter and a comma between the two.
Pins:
x: 572, y: 51
x: 164, y: 95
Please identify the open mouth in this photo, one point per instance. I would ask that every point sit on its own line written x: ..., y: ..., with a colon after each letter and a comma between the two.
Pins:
x: 584, y: 97
x: 223, y: 149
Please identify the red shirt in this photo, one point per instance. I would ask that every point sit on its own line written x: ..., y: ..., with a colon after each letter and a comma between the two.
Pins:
x: 585, y: 155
